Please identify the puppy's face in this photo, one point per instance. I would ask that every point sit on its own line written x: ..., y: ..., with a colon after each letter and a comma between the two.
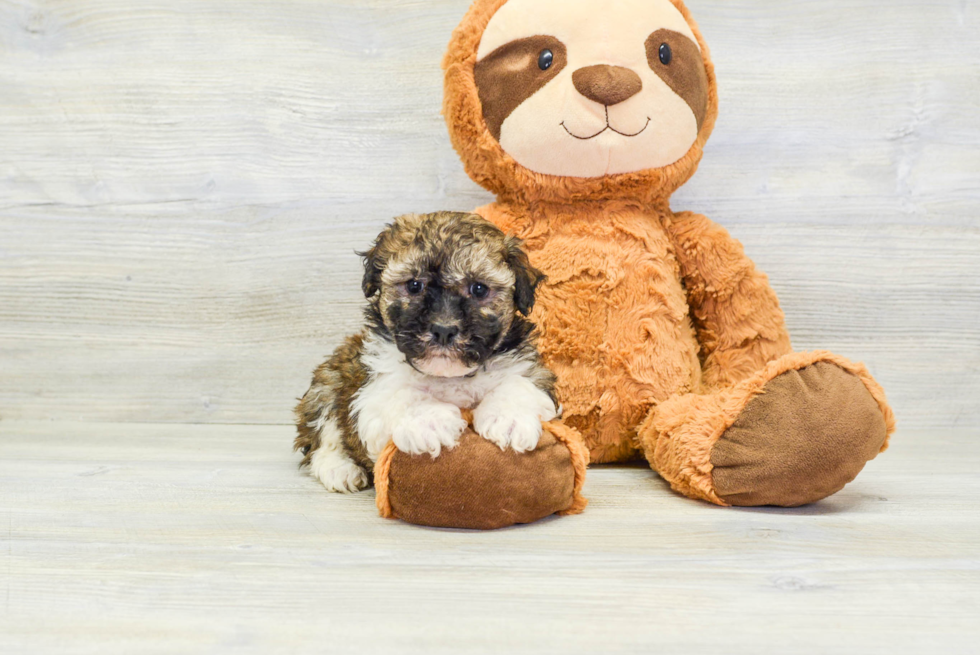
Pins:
x: 446, y: 287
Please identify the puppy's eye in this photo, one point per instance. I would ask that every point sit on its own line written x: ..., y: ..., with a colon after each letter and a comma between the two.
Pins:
x: 414, y: 287
x: 545, y: 59
x: 666, y: 54
x: 479, y: 290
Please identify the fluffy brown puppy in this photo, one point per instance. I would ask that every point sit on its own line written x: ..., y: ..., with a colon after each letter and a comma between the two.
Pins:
x: 448, y: 293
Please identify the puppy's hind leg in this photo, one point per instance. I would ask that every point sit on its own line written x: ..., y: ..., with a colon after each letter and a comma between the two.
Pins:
x: 332, y: 466
x: 320, y: 439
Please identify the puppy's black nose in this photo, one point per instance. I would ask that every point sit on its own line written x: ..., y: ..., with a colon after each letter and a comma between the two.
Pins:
x: 444, y: 334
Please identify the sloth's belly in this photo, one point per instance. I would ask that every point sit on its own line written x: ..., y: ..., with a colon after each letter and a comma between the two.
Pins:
x: 615, y: 329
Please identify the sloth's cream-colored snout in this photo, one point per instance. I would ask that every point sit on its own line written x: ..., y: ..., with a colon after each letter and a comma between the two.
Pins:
x: 585, y: 88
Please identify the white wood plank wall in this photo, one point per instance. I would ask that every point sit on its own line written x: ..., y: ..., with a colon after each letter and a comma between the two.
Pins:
x: 183, y: 183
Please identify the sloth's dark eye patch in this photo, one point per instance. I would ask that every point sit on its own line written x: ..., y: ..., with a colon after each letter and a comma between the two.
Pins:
x: 545, y: 59
x: 514, y: 72
x: 676, y: 59
x: 414, y: 287
x: 479, y: 290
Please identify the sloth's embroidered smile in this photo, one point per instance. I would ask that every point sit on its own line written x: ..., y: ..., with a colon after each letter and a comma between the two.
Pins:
x: 608, y: 127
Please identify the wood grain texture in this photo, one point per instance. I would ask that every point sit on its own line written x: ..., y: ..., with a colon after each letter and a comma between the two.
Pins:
x: 120, y: 538
x: 183, y: 184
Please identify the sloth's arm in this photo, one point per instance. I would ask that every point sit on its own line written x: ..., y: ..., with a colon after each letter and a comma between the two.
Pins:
x: 736, y: 313
x: 499, y: 216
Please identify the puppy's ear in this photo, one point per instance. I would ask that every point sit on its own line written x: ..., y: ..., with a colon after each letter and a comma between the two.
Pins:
x: 526, y: 277
x: 373, y: 267
x: 374, y: 264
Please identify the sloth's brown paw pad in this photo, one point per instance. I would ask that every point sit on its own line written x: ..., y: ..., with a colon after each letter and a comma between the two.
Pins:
x: 479, y: 486
x: 809, y: 434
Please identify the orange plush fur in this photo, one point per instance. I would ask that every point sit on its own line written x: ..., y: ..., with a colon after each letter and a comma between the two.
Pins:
x: 659, y: 328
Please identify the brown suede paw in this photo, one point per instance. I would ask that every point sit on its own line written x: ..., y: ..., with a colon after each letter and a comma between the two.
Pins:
x: 477, y: 485
x: 806, y: 436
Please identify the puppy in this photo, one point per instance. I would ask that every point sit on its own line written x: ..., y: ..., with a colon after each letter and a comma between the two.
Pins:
x: 445, y: 329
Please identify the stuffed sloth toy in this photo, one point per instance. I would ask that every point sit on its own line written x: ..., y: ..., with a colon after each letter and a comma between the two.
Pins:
x: 583, y: 117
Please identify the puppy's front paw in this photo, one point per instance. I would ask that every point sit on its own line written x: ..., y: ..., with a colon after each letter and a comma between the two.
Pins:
x: 428, y: 428
x: 521, y: 431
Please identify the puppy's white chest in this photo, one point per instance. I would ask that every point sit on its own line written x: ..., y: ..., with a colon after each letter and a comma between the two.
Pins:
x: 465, y: 393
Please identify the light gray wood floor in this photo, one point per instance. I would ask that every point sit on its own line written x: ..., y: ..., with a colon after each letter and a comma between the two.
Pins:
x: 185, y: 539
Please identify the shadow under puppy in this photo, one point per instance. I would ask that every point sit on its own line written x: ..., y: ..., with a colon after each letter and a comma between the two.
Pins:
x: 445, y: 329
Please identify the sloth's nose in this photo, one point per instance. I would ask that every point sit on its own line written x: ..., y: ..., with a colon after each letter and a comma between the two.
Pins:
x: 607, y: 85
x: 444, y: 334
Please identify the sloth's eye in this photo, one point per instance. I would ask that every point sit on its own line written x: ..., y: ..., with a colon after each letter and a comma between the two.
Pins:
x: 665, y: 54
x: 414, y: 287
x: 479, y: 290
x: 545, y: 59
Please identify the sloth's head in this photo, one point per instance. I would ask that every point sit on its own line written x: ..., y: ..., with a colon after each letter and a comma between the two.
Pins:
x: 579, y: 88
